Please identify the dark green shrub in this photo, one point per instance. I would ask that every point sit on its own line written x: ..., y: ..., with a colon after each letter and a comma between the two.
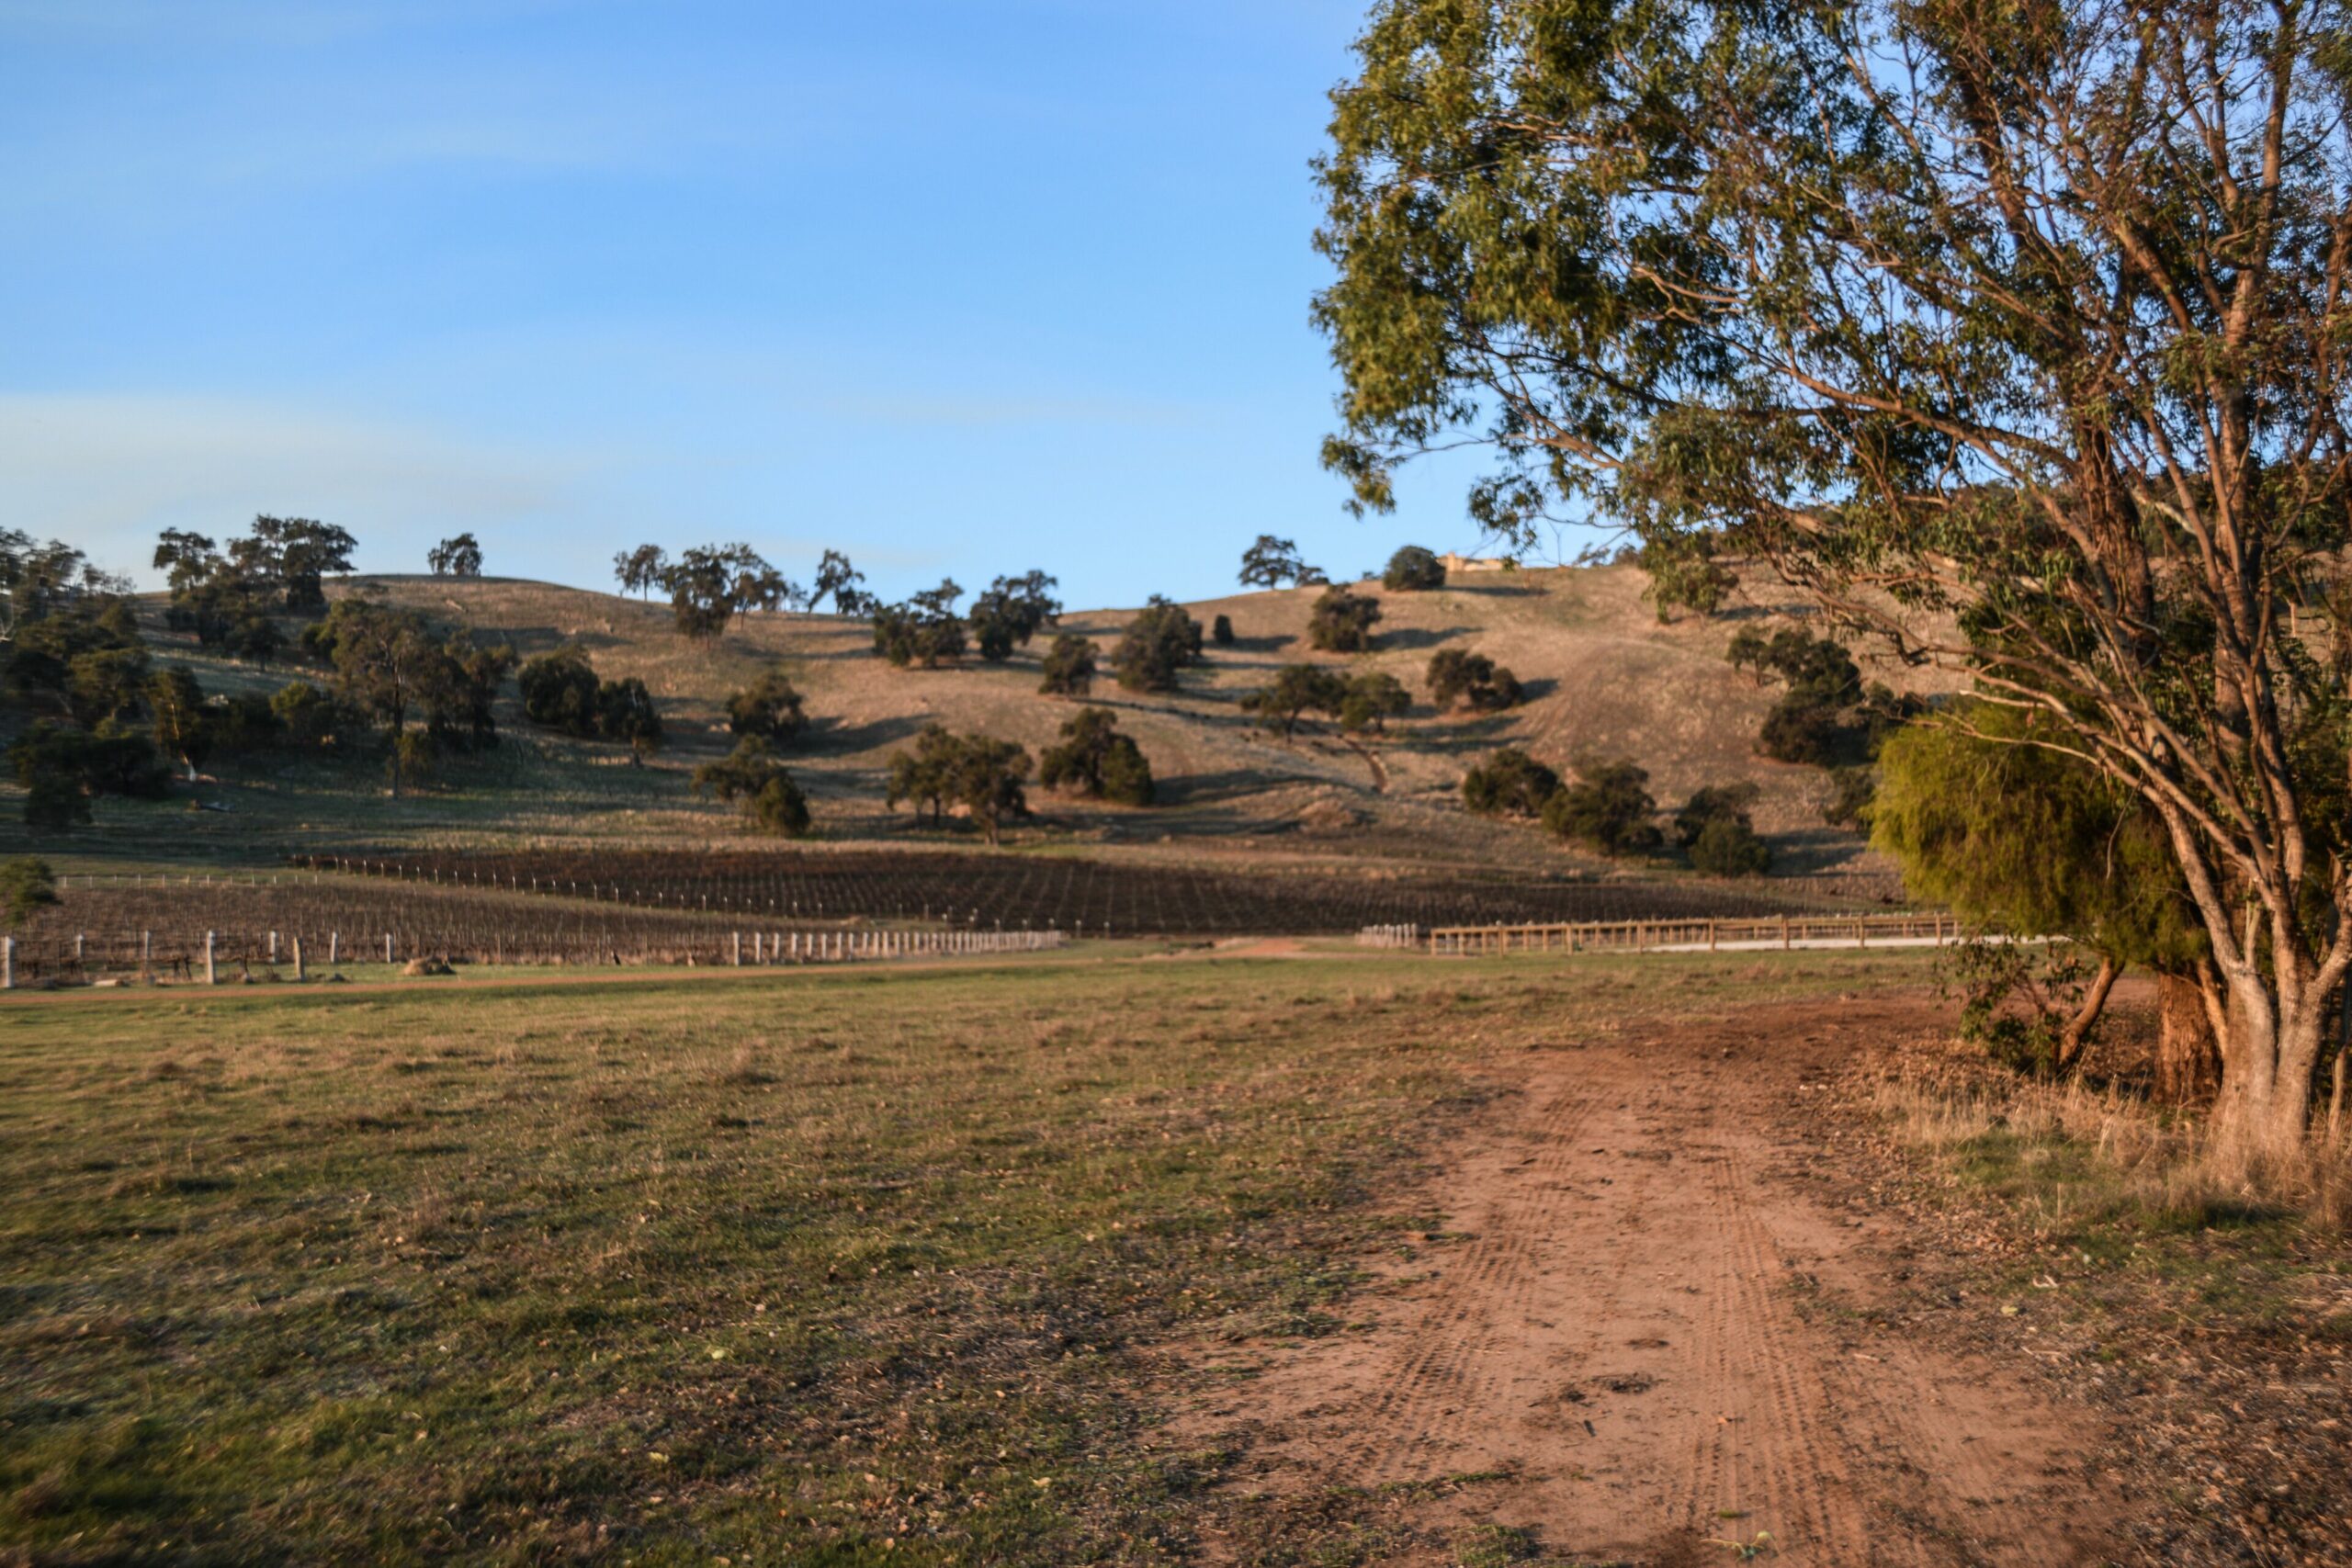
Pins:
x: 1413, y: 569
x: 1342, y: 621
x: 1509, y: 783
x: 1607, y: 809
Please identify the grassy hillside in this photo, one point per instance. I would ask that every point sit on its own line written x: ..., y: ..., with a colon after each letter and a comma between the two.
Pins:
x: 1605, y: 677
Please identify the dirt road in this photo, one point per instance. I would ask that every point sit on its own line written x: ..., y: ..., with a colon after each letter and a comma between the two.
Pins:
x: 1652, y: 1309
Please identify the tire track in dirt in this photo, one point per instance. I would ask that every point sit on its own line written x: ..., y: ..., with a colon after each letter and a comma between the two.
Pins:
x: 1649, y: 1330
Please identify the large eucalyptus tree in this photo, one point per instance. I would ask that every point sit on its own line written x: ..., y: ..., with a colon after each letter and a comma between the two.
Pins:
x: 2016, y: 332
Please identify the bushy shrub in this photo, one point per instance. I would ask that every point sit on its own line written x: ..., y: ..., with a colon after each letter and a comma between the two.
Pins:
x: 1161, y: 641
x: 1607, y: 809
x: 559, y: 692
x: 769, y: 708
x: 1509, y: 783
x: 1413, y: 569
x: 1069, y: 666
x: 1372, y: 698
x: 1342, y: 621
x: 1727, y: 846
x: 1221, y: 631
x: 1472, y: 680
x: 753, y: 775
x: 1093, y: 759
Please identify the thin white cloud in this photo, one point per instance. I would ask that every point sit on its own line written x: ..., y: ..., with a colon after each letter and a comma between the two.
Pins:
x: 107, y: 472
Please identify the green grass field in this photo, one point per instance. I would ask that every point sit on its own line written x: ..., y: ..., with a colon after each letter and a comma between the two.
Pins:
x: 813, y: 1268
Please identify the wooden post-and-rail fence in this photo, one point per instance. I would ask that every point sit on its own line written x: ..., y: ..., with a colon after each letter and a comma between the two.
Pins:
x: 1691, y: 935
x: 89, y: 958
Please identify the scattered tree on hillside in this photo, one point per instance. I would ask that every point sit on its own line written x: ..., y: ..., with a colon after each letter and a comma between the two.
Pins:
x: 1297, y: 690
x: 1272, y: 562
x: 769, y: 709
x: 225, y: 596
x: 1159, y: 642
x: 842, y: 583
x: 627, y: 712
x: 1012, y: 612
x: 640, y: 571
x: 1342, y: 621
x: 1094, y: 759
x: 2040, y: 328
x: 1473, y: 681
x: 1413, y: 569
x: 1069, y: 666
x: 925, y: 631
x: 1608, y: 808
x: 1509, y: 783
x: 459, y: 556
x: 40, y: 579
x: 558, y: 691
x: 977, y: 772
x: 1717, y: 828
x: 63, y: 768
x: 711, y: 584
x: 390, y: 665
x: 1373, y: 699
x: 1221, y: 631
x: 754, y: 776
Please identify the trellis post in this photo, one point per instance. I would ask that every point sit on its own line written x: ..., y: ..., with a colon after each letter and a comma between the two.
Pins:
x: 211, y: 976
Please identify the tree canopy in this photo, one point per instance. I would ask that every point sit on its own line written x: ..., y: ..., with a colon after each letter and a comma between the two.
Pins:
x: 2010, y: 334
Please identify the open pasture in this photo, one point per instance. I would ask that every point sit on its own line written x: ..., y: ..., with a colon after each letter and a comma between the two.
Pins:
x: 812, y: 1266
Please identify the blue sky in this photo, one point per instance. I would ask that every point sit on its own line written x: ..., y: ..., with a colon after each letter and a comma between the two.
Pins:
x: 959, y: 288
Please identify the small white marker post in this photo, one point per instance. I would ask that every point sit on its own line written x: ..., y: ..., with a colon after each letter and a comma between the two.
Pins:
x: 300, y: 973
x: 211, y: 977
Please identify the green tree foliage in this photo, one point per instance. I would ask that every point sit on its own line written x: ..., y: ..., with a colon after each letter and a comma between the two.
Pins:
x: 1161, y: 641
x: 842, y: 583
x: 62, y: 769
x: 1685, y: 575
x: 982, y: 775
x: 560, y: 690
x: 1094, y: 759
x: 1459, y: 677
x: 640, y: 571
x: 2025, y: 839
x: 390, y: 666
x: 1717, y: 828
x: 925, y: 777
x: 709, y: 585
x: 1727, y: 846
x: 105, y: 683
x: 626, y: 712
x: 1342, y: 621
x: 2030, y: 315
x: 311, y: 718
x: 1221, y: 631
x: 27, y: 887
x: 1709, y: 802
x: 458, y: 556
x: 925, y: 632
x: 1013, y: 610
x: 282, y: 564
x: 1272, y: 562
x: 753, y: 776
x: 1373, y: 699
x: 768, y: 708
x: 1509, y: 783
x: 43, y: 577
x: 1608, y: 808
x: 1069, y: 666
x: 1297, y: 690
x: 1413, y: 569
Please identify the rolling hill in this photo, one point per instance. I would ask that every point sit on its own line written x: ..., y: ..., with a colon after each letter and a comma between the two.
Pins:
x: 1604, y: 678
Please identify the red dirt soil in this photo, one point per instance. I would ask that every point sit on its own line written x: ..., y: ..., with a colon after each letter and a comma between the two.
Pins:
x: 1649, y: 1312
